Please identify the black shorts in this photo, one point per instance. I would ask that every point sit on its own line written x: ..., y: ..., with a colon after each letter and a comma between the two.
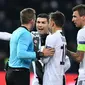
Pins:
x: 17, y: 76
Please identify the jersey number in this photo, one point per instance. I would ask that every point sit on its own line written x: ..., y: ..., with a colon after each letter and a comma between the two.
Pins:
x: 63, y: 54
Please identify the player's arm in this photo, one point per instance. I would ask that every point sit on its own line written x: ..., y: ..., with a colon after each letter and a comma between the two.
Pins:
x: 22, y: 47
x: 78, y: 56
x: 47, y: 52
x: 5, y: 36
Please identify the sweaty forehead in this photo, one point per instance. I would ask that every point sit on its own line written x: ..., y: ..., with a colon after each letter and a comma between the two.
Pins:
x: 41, y: 19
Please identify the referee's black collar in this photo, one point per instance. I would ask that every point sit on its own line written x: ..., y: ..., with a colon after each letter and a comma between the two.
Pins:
x: 25, y: 28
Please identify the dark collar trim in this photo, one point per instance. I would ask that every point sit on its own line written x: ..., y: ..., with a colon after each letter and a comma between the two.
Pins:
x: 25, y: 28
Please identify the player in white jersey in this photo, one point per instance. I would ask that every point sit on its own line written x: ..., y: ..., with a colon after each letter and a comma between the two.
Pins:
x: 79, y: 56
x: 54, y: 67
x: 42, y: 28
x: 39, y: 38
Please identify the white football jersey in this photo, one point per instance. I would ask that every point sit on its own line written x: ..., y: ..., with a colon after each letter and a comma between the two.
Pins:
x: 81, y: 47
x: 54, y: 68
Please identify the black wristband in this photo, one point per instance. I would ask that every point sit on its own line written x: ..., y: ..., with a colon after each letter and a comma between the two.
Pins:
x: 39, y: 54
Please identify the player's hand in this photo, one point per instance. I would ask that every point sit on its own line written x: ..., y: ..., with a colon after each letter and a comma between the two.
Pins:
x: 48, y: 52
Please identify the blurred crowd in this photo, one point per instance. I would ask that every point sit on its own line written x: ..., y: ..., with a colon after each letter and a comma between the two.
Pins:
x: 9, y: 20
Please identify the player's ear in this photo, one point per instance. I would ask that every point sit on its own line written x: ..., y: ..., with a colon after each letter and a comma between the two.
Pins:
x: 31, y: 21
x: 83, y: 18
x: 53, y: 23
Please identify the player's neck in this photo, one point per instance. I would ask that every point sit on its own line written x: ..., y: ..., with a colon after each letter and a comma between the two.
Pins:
x: 83, y: 24
x: 56, y: 29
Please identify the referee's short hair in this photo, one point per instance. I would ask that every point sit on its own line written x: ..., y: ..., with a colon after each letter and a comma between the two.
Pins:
x: 26, y: 15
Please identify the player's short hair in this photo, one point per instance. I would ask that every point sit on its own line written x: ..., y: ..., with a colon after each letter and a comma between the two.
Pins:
x: 58, y: 17
x: 26, y: 15
x: 80, y: 8
x: 43, y: 15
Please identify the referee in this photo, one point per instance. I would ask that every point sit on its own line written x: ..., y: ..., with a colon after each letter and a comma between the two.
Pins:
x: 21, y: 50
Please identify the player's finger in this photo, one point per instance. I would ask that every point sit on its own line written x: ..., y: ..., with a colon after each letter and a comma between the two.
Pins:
x: 51, y: 49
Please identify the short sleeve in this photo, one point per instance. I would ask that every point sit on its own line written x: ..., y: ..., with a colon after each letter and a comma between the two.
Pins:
x: 81, y: 41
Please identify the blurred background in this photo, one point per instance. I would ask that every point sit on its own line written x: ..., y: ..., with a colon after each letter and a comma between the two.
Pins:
x: 9, y: 21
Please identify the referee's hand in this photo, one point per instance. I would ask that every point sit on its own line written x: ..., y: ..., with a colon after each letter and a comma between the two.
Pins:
x: 48, y: 52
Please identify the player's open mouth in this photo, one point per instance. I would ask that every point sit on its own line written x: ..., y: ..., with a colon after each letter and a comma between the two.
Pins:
x: 40, y: 29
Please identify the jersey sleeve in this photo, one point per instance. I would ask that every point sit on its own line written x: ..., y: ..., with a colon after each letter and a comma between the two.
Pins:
x: 23, y: 44
x: 81, y: 41
x: 49, y: 42
x: 5, y: 36
x: 67, y: 63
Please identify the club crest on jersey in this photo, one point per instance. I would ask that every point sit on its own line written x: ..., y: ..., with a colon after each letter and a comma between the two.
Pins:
x: 35, y: 41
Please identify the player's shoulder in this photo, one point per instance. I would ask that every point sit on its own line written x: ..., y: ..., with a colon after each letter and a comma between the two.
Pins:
x: 35, y: 34
x: 82, y: 31
x: 57, y: 35
x: 48, y: 36
x: 51, y: 38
